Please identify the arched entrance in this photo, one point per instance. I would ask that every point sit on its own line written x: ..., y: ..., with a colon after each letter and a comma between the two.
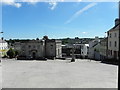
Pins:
x: 34, y: 55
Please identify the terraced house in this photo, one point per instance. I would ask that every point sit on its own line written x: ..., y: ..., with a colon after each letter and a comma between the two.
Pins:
x: 113, y: 41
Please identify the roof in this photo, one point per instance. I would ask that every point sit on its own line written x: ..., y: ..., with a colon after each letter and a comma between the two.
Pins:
x: 2, y: 41
x: 95, y: 44
x: 32, y: 41
x: 53, y: 40
x: 116, y: 27
x: 104, y: 40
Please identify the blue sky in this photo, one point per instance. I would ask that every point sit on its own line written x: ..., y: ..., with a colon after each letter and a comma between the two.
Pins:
x: 58, y: 20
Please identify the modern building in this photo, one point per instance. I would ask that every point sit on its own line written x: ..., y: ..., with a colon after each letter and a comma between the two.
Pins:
x: 3, y: 47
x: 113, y: 41
x: 66, y: 50
x: 45, y: 48
x: 80, y: 50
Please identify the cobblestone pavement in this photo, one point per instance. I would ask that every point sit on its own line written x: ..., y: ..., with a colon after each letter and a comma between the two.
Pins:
x: 58, y: 74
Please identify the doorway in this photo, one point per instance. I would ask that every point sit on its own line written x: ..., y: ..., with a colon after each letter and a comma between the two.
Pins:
x: 34, y: 55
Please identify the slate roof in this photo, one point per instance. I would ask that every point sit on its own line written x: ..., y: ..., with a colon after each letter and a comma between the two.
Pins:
x: 2, y: 41
x: 116, y: 27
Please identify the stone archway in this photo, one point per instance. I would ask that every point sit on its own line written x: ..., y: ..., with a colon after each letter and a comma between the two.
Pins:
x: 34, y: 55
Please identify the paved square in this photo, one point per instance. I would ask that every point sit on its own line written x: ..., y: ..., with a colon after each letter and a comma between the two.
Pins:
x: 58, y: 74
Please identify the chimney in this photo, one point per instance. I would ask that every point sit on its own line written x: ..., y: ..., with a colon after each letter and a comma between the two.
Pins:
x: 2, y: 38
x: 116, y: 21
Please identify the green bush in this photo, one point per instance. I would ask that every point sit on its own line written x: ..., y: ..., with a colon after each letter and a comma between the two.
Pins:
x: 11, y: 53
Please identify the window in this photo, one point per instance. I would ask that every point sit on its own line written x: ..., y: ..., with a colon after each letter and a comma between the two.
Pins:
x: 110, y: 43
x: 111, y: 52
x: 115, y: 34
x: 58, y: 52
x: 29, y: 46
x: 115, y: 44
x: 110, y: 35
x: 51, y: 46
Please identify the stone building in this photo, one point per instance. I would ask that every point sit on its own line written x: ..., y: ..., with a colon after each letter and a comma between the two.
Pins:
x: 113, y: 41
x: 53, y: 48
x: 37, y: 49
x: 30, y: 49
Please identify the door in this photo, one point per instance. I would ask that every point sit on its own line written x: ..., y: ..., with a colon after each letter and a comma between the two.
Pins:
x: 34, y: 55
x: 115, y: 54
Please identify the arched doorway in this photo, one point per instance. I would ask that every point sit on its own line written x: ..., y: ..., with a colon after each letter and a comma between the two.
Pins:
x: 34, y: 55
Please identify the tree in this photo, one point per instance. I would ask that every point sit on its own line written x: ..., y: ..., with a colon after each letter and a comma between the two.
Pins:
x: 11, y: 53
x: 76, y: 37
x: 37, y: 38
x: 64, y: 41
x: 16, y: 53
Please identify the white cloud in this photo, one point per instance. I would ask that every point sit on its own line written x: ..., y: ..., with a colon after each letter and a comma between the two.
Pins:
x: 84, y: 32
x: 11, y: 2
x: 33, y: 2
x: 53, y: 5
x: 17, y: 5
x: 80, y: 12
x: 79, y: 0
